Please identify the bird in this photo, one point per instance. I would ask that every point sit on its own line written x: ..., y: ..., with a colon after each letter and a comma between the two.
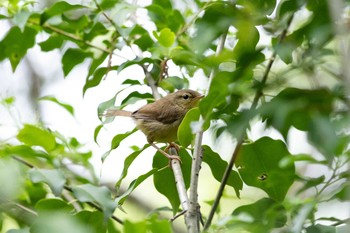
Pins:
x: 160, y: 120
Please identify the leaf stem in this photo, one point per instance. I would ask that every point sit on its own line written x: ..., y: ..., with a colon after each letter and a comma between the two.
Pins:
x: 240, y: 141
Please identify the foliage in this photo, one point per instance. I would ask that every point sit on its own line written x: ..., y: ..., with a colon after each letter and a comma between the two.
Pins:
x: 305, y: 90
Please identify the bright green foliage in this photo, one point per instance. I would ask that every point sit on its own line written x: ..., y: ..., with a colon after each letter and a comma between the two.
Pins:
x: 258, y: 165
x: 280, y: 66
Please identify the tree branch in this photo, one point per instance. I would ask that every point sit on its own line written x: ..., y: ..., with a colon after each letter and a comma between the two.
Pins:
x: 256, y: 99
x: 192, y: 215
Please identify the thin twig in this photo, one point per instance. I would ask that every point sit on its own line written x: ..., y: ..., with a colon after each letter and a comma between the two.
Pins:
x: 66, y: 187
x: 192, y: 214
x: 240, y: 141
x: 151, y: 83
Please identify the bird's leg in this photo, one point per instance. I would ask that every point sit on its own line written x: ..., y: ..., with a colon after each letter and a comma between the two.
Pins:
x: 166, y: 154
x: 174, y: 145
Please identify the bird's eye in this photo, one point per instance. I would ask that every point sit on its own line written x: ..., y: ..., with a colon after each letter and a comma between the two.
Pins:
x: 185, y: 96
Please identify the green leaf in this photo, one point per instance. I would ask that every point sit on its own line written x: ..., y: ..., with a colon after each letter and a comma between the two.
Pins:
x: 297, y: 107
x: 172, y: 83
x: 73, y: 57
x: 132, y: 82
x: 127, y: 162
x: 263, y: 7
x: 318, y: 228
x: 48, y: 205
x: 68, y: 107
x: 54, y: 42
x: 94, y: 219
x: 58, y: 222
x: 343, y: 194
x: 16, y: 51
x: 218, y: 166
x: 133, y: 185
x: 159, y: 225
x: 185, y: 133
x: 166, y: 37
x: 135, y: 96
x: 22, y: 151
x: 97, y: 77
x: 258, y: 165
x: 132, y: 227
x: 59, y: 8
x: 265, y: 212
x: 141, y: 37
x: 34, y: 136
x: 117, y: 139
x: 164, y: 179
x: 96, y: 131
x: 54, y: 178
x: 96, y: 194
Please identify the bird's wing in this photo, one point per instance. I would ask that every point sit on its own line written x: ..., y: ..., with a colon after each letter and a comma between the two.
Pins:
x: 149, y: 113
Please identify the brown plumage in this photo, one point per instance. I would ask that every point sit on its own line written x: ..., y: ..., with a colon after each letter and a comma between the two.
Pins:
x: 160, y: 120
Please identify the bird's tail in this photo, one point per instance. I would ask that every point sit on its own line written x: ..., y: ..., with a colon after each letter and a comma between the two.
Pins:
x: 116, y: 112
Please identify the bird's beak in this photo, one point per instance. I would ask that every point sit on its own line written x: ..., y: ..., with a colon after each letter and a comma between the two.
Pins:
x: 201, y: 96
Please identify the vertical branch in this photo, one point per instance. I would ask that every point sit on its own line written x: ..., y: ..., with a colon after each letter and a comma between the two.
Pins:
x: 192, y: 216
x: 235, y: 153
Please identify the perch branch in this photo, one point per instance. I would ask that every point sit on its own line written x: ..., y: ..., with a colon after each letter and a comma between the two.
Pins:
x: 192, y: 215
x: 256, y: 99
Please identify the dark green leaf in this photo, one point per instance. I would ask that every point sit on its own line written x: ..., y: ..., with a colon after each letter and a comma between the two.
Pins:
x: 95, y: 194
x: 34, y: 136
x: 172, y: 83
x: 133, y: 185
x: 132, y: 82
x: 164, y: 179
x: 185, y: 133
x: 135, y: 96
x: 258, y: 165
x: 48, y: 205
x: 318, y: 228
x: 54, y: 42
x: 297, y: 107
x: 218, y: 166
x: 141, y: 37
x: 16, y: 51
x: 137, y: 61
x: 343, y: 194
x: 57, y: 9
x: 54, y: 178
x: 73, y: 57
x: 68, y: 107
x: 265, y: 212
x: 127, y: 162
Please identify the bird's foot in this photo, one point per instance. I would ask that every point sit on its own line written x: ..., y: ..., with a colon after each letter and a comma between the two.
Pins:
x: 172, y: 145
x: 170, y: 157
